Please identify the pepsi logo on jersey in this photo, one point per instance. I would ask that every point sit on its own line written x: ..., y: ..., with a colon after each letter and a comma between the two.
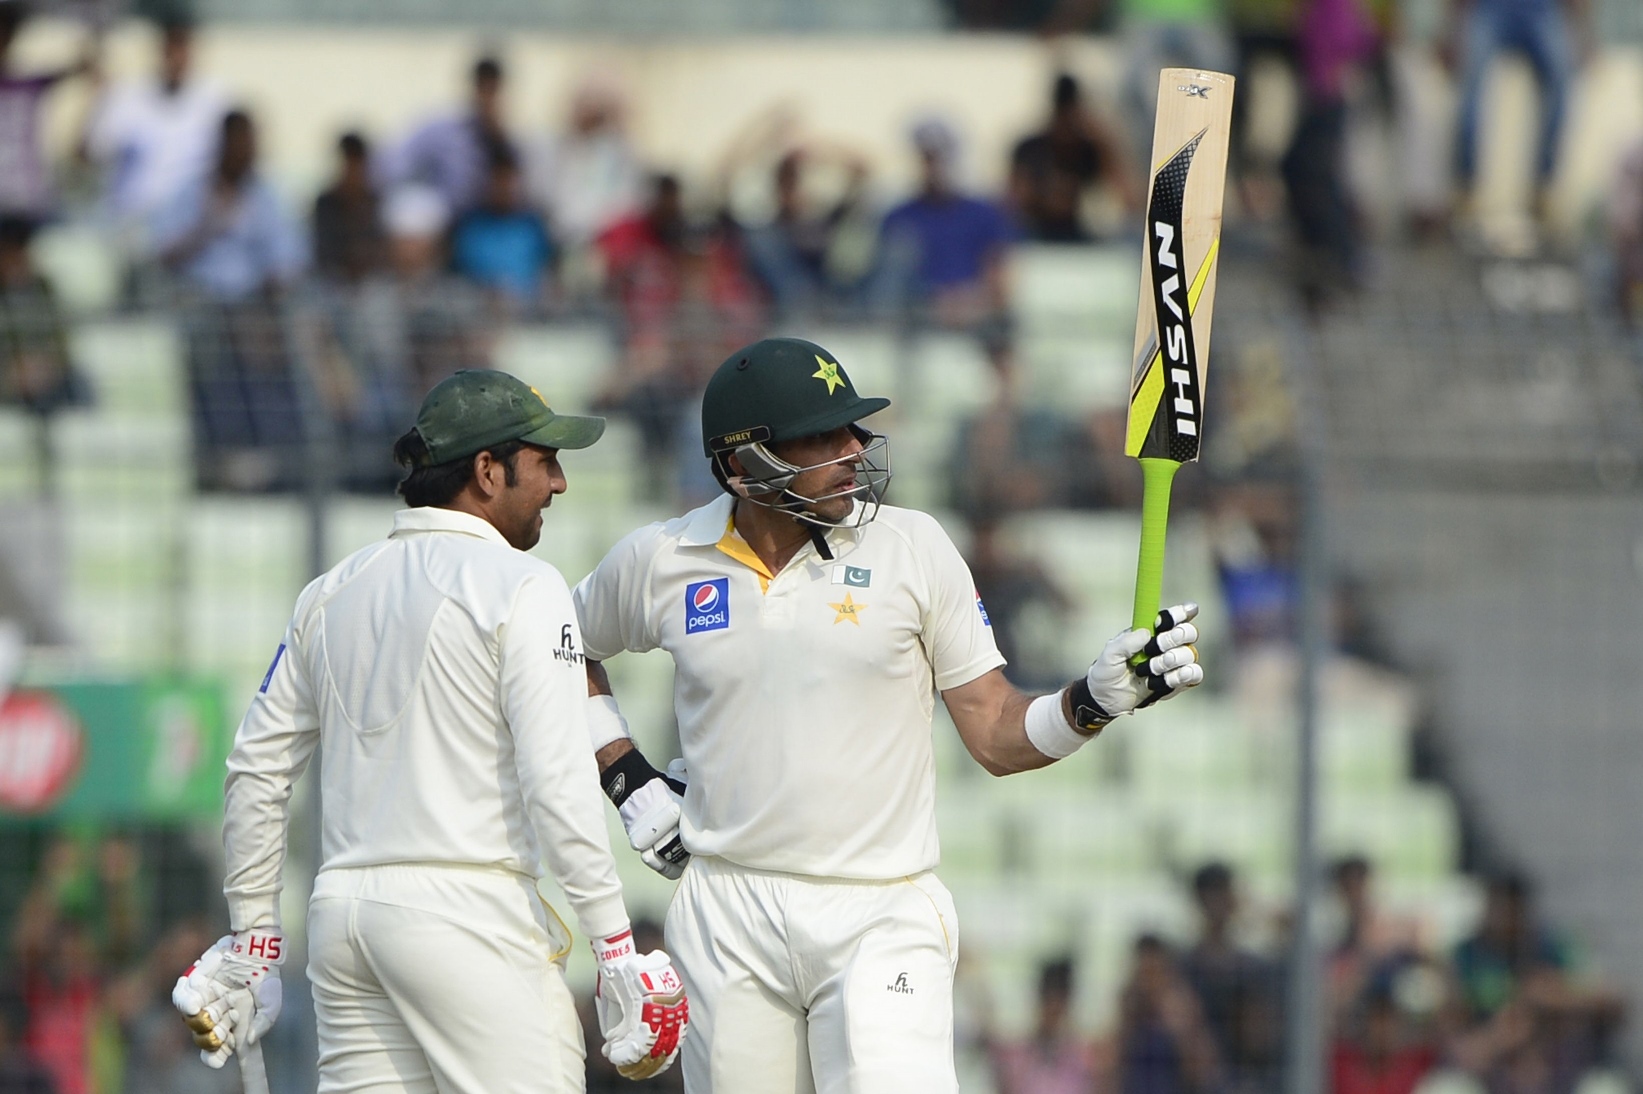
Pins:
x: 707, y: 605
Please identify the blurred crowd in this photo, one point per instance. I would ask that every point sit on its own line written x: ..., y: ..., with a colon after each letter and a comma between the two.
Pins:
x: 328, y: 324
x: 100, y: 934
x: 1506, y: 1011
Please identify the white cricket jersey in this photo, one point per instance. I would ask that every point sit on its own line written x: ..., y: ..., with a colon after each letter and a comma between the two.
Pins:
x: 804, y: 698
x: 442, y: 673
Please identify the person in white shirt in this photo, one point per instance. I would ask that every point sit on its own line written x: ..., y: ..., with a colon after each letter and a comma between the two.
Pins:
x: 154, y: 138
x: 441, y: 674
x: 811, y: 627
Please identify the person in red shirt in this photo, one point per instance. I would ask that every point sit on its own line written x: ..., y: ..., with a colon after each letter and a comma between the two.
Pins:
x: 1381, y: 1058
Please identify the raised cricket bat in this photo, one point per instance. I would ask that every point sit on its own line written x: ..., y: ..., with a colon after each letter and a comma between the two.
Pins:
x: 253, y: 1074
x: 1183, y: 238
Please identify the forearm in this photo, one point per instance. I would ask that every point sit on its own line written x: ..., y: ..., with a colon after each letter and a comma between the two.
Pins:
x: 1003, y: 747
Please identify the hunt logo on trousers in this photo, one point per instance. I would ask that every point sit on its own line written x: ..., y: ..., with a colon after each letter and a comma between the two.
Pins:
x: 707, y: 605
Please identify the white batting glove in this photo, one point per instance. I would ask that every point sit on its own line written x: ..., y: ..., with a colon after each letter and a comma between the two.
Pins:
x: 643, y: 1012
x: 650, y: 815
x: 1171, y: 666
x: 232, y: 995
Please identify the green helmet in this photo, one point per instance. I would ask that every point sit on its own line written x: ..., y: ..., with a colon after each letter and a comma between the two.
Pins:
x: 778, y: 390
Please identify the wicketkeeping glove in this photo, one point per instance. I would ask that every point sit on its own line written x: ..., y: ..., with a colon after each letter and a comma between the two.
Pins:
x: 643, y: 1012
x: 231, y: 996
x: 1170, y: 668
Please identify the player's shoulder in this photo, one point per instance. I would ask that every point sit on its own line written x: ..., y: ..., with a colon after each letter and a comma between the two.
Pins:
x: 701, y: 526
x: 916, y: 527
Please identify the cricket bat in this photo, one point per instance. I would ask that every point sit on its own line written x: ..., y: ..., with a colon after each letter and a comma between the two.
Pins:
x: 1183, y: 238
x: 253, y: 1073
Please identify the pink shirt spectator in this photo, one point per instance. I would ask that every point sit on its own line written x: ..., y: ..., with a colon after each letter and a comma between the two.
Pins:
x: 1031, y: 1067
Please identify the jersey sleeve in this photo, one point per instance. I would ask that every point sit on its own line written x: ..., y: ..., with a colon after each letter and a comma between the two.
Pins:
x: 272, y: 746
x: 613, y: 602
x: 544, y: 699
x: 957, y: 633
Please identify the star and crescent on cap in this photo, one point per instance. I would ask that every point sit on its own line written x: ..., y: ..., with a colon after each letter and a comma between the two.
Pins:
x: 828, y: 373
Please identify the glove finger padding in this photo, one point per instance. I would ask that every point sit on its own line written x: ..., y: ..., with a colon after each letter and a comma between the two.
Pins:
x: 643, y: 1013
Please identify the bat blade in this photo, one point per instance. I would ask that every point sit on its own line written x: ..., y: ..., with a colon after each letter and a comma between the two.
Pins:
x: 1178, y: 264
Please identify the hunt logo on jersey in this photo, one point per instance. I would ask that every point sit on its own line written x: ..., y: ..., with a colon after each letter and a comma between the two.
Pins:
x: 858, y: 576
x: 566, y: 651
x: 707, y: 605
x: 1169, y: 291
x: 899, y: 986
x: 982, y: 608
x: 268, y: 678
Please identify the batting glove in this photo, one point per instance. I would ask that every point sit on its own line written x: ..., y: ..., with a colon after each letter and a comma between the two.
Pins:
x: 1171, y: 664
x: 231, y: 996
x: 650, y: 811
x: 643, y: 1012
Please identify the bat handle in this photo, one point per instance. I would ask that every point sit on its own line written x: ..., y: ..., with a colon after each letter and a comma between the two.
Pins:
x: 1156, y: 476
x: 253, y: 1073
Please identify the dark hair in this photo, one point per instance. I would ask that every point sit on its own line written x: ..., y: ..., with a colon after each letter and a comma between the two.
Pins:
x: 1066, y: 91
x: 16, y: 231
x: 237, y: 118
x: 1212, y: 875
x: 1347, y: 865
x: 440, y: 483
x: 500, y: 156
x: 352, y: 144
x: 1055, y: 977
x: 487, y: 70
x: 1151, y: 943
x: 1511, y: 885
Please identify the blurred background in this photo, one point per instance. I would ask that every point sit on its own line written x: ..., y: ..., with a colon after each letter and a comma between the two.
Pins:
x: 1393, y: 845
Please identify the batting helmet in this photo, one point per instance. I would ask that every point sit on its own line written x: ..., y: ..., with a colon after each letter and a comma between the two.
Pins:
x: 778, y: 390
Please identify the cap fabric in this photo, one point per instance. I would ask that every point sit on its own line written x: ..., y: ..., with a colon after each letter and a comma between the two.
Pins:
x: 776, y: 390
x: 477, y: 408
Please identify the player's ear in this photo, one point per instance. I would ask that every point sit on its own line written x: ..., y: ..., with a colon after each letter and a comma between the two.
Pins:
x: 489, y: 474
x: 734, y: 464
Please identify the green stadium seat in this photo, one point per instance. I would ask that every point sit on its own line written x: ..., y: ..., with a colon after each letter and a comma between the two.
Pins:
x: 124, y: 629
x: 948, y: 378
x: 1192, y: 743
x: 1056, y: 287
x: 1249, y: 831
x: 135, y: 366
x: 352, y: 523
x: 239, y: 545
x: 1408, y: 832
x: 82, y: 264
x: 567, y: 363
x: 1449, y: 1082
x: 1076, y: 371
x: 99, y: 456
x: 118, y: 545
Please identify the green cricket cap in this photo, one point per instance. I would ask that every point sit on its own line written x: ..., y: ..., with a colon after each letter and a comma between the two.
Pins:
x: 478, y: 408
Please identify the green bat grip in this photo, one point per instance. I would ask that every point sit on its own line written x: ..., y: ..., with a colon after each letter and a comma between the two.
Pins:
x: 1156, y: 476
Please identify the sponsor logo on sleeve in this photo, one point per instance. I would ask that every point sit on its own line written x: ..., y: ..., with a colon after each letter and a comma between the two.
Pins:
x: 982, y: 608
x: 268, y: 677
x: 566, y: 651
x: 707, y: 605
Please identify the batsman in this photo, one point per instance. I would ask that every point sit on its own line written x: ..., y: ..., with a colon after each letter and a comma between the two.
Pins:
x: 811, y: 627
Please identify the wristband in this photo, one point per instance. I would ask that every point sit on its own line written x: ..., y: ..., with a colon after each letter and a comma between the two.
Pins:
x: 1089, y: 716
x: 1048, y: 731
x: 259, y: 944
x: 606, y: 725
x: 628, y: 773
x: 616, y: 947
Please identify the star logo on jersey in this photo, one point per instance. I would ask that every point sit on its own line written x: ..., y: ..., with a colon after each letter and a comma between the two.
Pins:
x: 829, y: 374
x: 848, y: 609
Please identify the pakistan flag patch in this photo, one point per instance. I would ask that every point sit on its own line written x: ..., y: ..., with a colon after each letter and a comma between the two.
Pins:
x: 859, y: 577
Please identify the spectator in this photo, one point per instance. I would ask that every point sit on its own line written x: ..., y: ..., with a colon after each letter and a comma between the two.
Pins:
x: 502, y: 244
x: 20, y: 1072
x: 1013, y: 588
x: 35, y: 368
x: 1375, y: 1053
x: 1626, y: 223
x: 1164, y: 1047
x: 942, y: 252
x: 235, y: 250
x: 25, y: 179
x: 154, y: 138
x: 1372, y: 944
x: 226, y: 233
x: 1261, y: 30
x: 1053, y: 170
x: 348, y: 239
x: 1541, y: 30
x: 1159, y: 34
x: 588, y: 177
x: 683, y: 302
x: 1237, y: 990
x: 1054, y: 1059
x: 451, y: 153
x: 1335, y: 37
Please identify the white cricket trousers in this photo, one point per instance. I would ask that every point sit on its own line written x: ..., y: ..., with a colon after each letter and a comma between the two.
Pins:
x: 439, y: 979
x: 802, y: 985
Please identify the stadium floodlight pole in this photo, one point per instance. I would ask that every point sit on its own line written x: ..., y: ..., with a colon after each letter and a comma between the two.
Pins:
x: 1304, y: 1024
